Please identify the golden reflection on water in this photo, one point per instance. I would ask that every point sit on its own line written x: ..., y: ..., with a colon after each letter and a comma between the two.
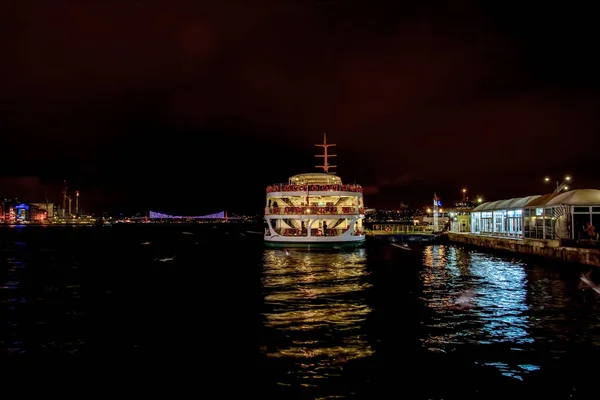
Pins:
x: 317, y: 307
x: 319, y: 297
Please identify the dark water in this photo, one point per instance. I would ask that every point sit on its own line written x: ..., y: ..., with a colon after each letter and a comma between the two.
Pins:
x: 93, y: 307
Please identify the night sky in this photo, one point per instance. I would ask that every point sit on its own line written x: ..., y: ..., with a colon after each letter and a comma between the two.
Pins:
x: 194, y: 107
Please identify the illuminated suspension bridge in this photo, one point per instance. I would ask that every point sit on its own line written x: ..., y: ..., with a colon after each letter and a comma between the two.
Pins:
x: 157, y: 215
x: 220, y: 215
x: 153, y: 215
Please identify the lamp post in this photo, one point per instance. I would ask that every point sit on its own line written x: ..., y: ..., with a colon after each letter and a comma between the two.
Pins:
x: 559, y: 186
x: 436, y: 204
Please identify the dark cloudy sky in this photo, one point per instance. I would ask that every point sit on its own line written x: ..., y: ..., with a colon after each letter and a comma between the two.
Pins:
x: 163, y: 104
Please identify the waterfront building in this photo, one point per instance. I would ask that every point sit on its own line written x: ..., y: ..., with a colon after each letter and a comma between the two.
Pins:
x: 549, y: 216
x: 460, y: 216
x: 48, y: 208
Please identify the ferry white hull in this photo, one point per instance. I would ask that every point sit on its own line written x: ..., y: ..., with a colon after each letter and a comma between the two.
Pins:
x: 347, y: 239
x: 322, y: 245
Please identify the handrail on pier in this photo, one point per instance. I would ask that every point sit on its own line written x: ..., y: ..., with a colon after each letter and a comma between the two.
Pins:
x: 399, y: 229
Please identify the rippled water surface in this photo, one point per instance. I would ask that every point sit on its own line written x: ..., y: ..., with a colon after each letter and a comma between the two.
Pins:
x: 226, y: 316
x: 442, y: 322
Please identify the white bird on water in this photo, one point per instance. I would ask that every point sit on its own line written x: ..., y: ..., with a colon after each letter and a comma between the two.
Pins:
x: 464, y: 300
x: 587, y: 279
x: 402, y: 246
x: 165, y: 259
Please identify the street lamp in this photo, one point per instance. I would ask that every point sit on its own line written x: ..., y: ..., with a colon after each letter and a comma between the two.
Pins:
x: 559, y: 186
x: 464, y: 192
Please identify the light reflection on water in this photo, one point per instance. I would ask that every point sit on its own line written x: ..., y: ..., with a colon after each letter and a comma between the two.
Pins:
x: 505, y: 309
x: 498, y: 308
x: 316, y: 301
x: 337, y: 322
x: 317, y: 306
x: 498, y: 305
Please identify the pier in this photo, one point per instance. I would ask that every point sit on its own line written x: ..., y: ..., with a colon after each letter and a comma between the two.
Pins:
x: 547, y: 248
x: 403, y: 232
x: 400, y: 229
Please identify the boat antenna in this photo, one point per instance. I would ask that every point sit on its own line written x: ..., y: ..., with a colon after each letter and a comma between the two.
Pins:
x: 325, y: 165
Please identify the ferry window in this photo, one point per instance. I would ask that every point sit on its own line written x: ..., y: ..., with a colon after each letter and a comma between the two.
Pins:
x: 596, y: 209
x: 539, y: 211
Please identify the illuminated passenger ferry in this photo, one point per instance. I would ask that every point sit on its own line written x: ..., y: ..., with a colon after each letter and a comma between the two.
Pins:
x: 315, y: 210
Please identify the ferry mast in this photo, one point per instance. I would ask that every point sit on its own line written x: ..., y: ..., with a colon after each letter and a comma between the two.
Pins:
x: 325, y: 165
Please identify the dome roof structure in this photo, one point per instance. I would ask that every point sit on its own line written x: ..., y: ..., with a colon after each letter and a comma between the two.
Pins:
x: 577, y: 197
x: 510, y: 204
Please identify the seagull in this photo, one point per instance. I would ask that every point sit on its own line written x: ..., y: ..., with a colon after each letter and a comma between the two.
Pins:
x: 165, y: 259
x: 287, y: 253
x: 464, y: 300
x: 587, y: 279
x: 402, y: 246
x: 145, y: 243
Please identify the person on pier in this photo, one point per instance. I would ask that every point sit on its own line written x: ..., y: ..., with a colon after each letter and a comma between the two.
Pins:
x: 590, y: 230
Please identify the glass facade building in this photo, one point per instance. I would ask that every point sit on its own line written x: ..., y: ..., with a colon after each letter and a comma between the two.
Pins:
x: 550, y: 216
x: 502, y: 217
